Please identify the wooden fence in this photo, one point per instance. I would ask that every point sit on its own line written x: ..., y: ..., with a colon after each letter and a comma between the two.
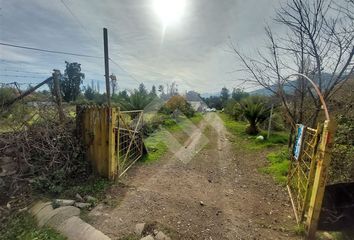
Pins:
x: 99, y: 127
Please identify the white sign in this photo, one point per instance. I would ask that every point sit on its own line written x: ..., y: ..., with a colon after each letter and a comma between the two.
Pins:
x: 298, y: 141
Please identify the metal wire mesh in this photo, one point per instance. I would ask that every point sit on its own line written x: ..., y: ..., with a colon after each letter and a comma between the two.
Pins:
x: 129, y: 140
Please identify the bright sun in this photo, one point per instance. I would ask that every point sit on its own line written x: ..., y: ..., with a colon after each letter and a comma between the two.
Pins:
x: 169, y: 11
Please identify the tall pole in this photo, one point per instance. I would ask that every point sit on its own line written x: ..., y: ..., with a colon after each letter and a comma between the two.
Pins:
x: 270, y: 122
x: 106, y: 65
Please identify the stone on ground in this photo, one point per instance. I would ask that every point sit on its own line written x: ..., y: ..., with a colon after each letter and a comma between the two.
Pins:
x: 82, y: 205
x: 66, y: 221
x: 63, y: 202
x: 148, y: 237
x: 139, y: 228
x: 161, y: 236
x: 76, y: 229
x: 79, y: 198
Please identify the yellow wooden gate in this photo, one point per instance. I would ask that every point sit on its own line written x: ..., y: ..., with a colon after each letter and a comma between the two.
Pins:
x: 112, y: 138
x: 301, y: 171
x: 308, y: 173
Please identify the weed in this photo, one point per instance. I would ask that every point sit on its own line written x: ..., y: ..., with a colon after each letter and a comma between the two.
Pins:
x: 299, y: 230
x: 22, y: 226
x: 94, y: 186
x: 278, y: 165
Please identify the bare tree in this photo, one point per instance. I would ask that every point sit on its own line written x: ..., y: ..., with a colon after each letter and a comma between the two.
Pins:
x: 318, y: 43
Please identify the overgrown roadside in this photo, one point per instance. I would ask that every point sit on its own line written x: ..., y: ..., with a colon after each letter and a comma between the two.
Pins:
x: 275, y: 147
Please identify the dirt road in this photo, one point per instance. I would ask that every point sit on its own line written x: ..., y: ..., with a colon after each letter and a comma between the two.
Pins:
x: 217, y: 194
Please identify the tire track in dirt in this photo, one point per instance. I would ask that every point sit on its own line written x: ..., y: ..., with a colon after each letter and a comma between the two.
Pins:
x: 237, y: 201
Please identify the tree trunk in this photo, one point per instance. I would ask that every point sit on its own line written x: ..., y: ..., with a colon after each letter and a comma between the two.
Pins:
x: 252, y: 129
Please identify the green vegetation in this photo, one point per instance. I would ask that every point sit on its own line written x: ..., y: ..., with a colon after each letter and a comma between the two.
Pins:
x: 156, y: 146
x: 278, y: 165
x: 255, y: 110
x: 94, y: 186
x: 23, y: 226
x: 155, y: 143
x: 178, y: 103
x: 238, y: 129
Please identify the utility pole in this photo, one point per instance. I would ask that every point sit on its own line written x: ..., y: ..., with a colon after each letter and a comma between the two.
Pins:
x: 106, y: 66
x: 56, y: 74
x: 270, y: 121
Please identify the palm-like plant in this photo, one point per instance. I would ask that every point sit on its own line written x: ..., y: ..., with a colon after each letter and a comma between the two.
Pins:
x: 136, y: 101
x: 255, y: 110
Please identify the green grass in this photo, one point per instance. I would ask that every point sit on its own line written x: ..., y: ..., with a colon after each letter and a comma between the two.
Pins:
x: 95, y: 187
x: 278, y: 165
x: 156, y: 146
x: 23, y: 226
x: 155, y: 143
x: 238, y: 129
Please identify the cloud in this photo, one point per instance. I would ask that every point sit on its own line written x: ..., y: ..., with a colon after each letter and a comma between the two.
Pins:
x: 191, y: 53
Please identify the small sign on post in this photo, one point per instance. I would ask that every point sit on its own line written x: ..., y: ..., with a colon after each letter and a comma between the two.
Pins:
x: 298, y: 141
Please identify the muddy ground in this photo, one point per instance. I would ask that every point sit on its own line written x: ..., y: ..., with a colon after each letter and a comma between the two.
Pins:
x: 210, y: 188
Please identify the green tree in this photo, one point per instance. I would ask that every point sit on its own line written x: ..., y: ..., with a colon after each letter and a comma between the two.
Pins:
x: 153, y: 91
x: 71, y: 81
x: 89, y: 93
x: 142, y: 89
x: 137, y: 100
x: 255, y: 110
x: 213, y: 102
x: 238, y: 94
x: 224, y: 95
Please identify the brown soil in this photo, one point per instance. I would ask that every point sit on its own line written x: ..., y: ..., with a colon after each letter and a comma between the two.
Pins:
x: 238, y: 202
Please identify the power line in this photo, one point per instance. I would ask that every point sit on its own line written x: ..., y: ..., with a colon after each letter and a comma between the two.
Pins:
x: 20, y: 71
x: 131, y: 76
x: 17, y: 76
x: 78, y: 21
x: 48, y: 51
x: 19, y: 83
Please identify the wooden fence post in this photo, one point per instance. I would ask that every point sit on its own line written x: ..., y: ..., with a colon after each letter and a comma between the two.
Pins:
x: 323, y: 160
x: 112, y: 115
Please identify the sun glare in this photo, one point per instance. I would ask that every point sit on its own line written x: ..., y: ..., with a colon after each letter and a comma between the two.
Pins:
x: 169, y: 11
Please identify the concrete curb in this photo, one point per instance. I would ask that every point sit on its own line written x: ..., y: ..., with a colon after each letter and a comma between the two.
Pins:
x: 66, y: 221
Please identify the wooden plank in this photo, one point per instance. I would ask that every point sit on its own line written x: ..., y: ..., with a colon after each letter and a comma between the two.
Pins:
x: 323, y: 161
x: 311, y: 172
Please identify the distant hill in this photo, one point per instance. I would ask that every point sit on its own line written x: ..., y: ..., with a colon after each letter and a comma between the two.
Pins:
x: 326, y: 77
x: 207, y: 95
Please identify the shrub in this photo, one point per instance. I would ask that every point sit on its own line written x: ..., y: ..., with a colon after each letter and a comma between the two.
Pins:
x: 254, y: 109
x: 178, y: 103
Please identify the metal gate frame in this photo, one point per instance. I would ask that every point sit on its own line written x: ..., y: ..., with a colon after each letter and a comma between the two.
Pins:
x: 129, y: 143
x: 308, y: 175
x: 301, y: 172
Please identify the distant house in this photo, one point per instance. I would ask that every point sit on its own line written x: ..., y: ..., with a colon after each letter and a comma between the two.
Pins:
x: 197, y: 103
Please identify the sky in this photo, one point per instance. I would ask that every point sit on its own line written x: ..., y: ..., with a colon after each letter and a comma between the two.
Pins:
x: 193, y: 51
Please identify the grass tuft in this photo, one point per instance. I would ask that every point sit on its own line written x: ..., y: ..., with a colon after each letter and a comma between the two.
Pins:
x: 278, y: 165
x: 23, y: 226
